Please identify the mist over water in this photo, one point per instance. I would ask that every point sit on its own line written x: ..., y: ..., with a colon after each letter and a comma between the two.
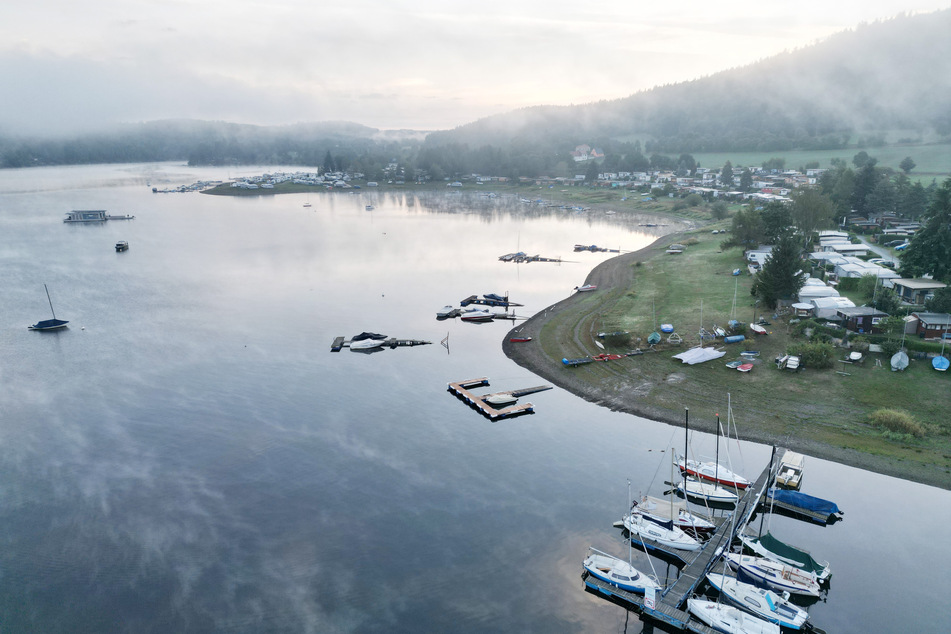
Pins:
x: 190, y: 456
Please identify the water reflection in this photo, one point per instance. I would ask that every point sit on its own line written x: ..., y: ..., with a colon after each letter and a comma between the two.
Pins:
x: 197, y: 459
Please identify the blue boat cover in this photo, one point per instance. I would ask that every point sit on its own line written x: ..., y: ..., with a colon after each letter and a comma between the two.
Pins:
x: 804, y: 501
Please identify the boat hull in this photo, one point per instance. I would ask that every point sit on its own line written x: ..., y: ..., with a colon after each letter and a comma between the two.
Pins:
x: 618, y: 573
x: 49, y: 324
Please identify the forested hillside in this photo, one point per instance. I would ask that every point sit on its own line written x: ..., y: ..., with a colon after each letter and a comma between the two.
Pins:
x: 883, y: 76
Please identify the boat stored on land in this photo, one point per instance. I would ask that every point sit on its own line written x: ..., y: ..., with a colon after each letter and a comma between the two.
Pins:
x: 586, y: 288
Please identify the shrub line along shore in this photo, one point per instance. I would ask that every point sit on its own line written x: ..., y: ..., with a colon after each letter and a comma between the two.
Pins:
x: 572, y: 321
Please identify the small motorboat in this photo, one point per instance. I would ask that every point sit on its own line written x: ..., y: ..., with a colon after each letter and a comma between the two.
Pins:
x: 369, y: 207
x: 586, y: 288
x: 499, y: 401
x: 367, y: 341
x: 444, y: 312
x: 122, y: 245
x: 477, y: 315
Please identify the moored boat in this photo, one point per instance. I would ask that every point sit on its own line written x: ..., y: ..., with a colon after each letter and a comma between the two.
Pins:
x: 49, y: 324
x: 706, y: 491
x: 122, y: 245
x: 367, y: 341
x: 771, y: 548
x: 712, y: 472
x: 669, y: 536
x: 670, y: 512
x: 728, y: 619
x: 477, y: 315
x: 764, y: 603
x: 775, y: 575
x: 617, y: 572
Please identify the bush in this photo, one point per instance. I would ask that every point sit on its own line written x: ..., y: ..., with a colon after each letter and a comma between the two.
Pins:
x: 814, y: 355
x: 618, y: 340
x: 897, y: 421
x: 890, y: 347
x: 860, y: 344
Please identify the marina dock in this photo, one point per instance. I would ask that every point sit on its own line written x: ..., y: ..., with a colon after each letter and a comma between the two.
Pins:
x: 462, y: 389
x: 668, y: 607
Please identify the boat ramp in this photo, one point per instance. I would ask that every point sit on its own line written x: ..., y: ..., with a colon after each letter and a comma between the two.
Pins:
x: 667, y: 607
x: 462, y: 389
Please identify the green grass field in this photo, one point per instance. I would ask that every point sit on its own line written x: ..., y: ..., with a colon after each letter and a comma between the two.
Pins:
x: 815, y: 406
x: 933, y: 160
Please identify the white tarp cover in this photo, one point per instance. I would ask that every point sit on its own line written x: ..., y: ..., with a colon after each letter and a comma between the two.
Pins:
x: 699, y: 355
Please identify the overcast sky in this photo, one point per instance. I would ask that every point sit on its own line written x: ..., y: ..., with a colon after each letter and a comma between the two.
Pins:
x: 420, y: 64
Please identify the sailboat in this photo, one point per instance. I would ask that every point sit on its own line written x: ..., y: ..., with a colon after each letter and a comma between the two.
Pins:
x: 664, y: 534
x: 761, y: 602
x: 900, y: 358
x: 709, y: 491
x: 666, y: 512
x: 725, y: 618
x: 941, y: 363
x: 49, y: 324
x: 616, y: 571
x: 768, y: 546
x: 713, y: 471
x: 775, y: 575
x: 654, y: 337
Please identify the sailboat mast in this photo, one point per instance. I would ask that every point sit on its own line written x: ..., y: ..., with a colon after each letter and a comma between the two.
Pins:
x: 50, y: 301
x: 716, y: 469
x: 686, y: 428
x: 630, y: 511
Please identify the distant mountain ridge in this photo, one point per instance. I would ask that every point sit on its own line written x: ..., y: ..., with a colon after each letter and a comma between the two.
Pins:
x: 894, y: 74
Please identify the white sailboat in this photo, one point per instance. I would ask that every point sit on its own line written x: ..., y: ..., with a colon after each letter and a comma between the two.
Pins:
x: 765, y: 604
x: 728, y: 619
x: 669, y: 536
x: 699, y: 489
x: 776, y: 575
x: 616, y: 571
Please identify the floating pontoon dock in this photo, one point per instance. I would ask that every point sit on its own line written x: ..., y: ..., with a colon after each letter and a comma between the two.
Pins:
x: 462, y: 390
x: 668, y: 606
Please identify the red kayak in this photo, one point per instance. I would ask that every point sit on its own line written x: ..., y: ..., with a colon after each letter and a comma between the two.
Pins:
x: 520, y: 339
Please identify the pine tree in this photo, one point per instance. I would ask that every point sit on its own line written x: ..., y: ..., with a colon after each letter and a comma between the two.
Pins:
x: 781, y: 276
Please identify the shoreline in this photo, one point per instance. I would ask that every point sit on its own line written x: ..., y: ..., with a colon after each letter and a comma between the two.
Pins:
x: 615, y: 276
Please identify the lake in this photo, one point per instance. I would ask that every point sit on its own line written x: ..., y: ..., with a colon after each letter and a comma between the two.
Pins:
x: 189, y: 456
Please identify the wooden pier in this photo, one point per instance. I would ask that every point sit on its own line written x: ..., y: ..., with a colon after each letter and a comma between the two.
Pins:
x: 462, y: 389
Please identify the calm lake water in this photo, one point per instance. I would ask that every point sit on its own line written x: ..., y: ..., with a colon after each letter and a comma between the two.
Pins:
x: 189, y: 456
